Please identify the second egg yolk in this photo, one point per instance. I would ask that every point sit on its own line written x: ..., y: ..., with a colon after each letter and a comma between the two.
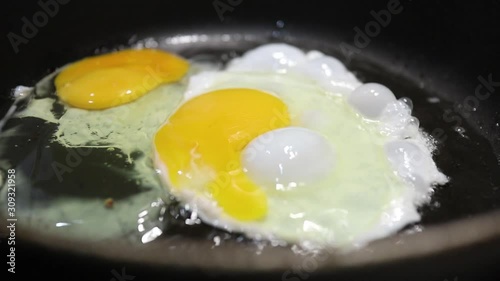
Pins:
x: 114, y: 79
x: 209, y: 132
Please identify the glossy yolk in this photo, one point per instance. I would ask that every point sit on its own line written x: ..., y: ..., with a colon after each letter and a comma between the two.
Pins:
x: 113, y: 79
x: 210, y: 131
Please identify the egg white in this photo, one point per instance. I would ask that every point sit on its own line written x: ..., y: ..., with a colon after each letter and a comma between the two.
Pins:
x: 371, y: 192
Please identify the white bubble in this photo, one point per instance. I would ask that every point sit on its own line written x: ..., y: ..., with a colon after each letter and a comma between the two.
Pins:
x: 271, y: 57
x: 294, y: 156
x: 370, y: 99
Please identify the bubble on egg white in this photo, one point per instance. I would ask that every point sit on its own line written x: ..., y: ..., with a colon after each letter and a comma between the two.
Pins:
x: 314, y: 54
x: 329, y: 66
x: 396, y: 120
x: 288, y: 157
x: 20, y: 93
x: 272, y: 58
x: 329, y: 73
x: 414, y: 164
x: 408, y: 102
x: 370, y: 99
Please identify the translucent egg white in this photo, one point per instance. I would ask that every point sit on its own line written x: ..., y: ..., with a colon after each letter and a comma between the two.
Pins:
x: 272, y: 58
x: 370, y: 99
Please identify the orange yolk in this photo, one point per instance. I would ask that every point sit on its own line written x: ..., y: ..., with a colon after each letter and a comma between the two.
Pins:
x: 113, y: 79
x: 210, y: 131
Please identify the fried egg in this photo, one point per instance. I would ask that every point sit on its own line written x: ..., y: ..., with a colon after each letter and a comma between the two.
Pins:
x: 114, y: 101
x: 118, y: 121
x: 286, y: 145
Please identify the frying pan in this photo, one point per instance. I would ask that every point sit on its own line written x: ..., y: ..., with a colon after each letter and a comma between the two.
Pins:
x: 438, y: 54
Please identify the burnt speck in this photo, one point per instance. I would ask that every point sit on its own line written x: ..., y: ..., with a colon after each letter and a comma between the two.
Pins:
x: 109, y: 203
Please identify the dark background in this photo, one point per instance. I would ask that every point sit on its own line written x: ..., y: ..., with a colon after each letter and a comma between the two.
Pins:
x: 458, y: 35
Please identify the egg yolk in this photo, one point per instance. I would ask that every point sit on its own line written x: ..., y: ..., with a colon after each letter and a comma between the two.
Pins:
x: 210, y: 131
x: 113, y: 79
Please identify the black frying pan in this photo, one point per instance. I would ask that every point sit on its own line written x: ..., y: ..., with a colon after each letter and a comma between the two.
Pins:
x: 444, y: 50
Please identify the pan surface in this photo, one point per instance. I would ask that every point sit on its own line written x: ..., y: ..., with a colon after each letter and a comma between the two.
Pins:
x: 431, y: 54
